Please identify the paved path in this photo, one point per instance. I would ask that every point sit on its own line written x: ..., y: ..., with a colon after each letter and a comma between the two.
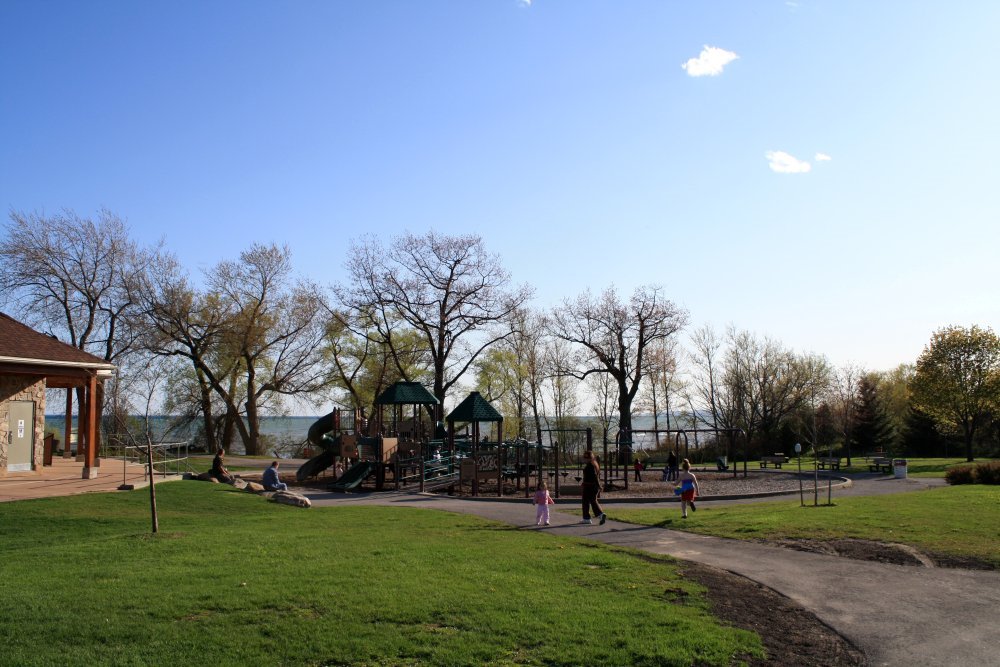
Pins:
x: 898, y: 615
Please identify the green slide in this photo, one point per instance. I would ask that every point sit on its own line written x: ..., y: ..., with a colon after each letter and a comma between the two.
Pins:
x: 353, y: 477
x: 320, y: 462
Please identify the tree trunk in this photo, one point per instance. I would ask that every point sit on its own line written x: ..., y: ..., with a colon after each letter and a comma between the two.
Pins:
x: 211, y: 442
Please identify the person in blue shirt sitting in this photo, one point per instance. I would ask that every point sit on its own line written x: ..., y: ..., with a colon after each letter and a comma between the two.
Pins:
x: 271, y: 480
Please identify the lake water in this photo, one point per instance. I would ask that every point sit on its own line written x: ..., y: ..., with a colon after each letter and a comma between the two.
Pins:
x: 285, y: 434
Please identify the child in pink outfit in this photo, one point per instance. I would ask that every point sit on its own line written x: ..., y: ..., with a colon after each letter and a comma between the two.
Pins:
x: 542, y: 500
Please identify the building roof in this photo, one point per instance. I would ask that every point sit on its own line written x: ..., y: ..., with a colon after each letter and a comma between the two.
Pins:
x: 20, y: 344
x: 474, y: 408
x: 406, y: 393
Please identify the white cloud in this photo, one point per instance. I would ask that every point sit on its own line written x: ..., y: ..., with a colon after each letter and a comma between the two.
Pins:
x: 783, y: 163
x: 822, y: 157
x: 524, y: 3
x: 709, y: 62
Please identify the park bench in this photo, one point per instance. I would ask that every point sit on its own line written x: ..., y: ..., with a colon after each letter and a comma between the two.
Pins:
x: 831, y: 462
x: 777, y: 460
x: 882, y: 465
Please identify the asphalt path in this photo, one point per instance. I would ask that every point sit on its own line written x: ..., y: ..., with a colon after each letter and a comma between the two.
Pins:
x: 898, y: 615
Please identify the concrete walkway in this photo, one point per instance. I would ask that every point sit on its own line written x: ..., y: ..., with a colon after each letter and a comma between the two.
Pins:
x: 897, y: 615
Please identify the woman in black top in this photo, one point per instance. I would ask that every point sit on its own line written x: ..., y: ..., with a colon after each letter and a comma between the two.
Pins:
x: 591, y: 488
x: 219, y: 471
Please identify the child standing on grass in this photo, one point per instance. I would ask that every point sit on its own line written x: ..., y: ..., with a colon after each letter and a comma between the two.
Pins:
x: 688, y: 488
x: 542, y: 500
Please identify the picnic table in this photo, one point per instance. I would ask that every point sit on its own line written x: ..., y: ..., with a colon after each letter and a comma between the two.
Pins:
x: 777, y: 460
x: 831, y: 462
x: 880, y: 464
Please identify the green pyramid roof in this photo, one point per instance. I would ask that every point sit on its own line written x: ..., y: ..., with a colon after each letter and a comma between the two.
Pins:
x: 474, y: 408
x: 406, y: 393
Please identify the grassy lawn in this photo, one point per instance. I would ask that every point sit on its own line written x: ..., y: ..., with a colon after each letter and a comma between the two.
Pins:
x: 233, y: 579
x: 916, y: 467
x: 958, y: 520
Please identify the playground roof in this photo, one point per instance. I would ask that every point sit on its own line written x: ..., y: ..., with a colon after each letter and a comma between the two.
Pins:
x: 406, y: 393
x: 474, y: 408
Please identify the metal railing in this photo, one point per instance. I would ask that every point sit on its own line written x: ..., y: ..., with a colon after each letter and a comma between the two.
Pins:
x: 168, y: 458
x: 432, y: 472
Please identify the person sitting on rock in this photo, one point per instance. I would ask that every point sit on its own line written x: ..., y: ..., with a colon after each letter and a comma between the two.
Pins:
x: 218, y: 470
x: 271, y: 481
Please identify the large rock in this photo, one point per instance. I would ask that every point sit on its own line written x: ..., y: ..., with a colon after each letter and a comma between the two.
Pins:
x: 254, y: 487
x: 289, y: 498
x: 206, y: 477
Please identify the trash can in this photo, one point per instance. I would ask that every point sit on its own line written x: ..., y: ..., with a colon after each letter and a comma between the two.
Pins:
x: 899, y: 468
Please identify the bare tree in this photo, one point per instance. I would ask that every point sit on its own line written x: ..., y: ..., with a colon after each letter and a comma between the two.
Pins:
x: 275, y: 327
x: 664, y: 380
x: 363, y: 365
x: 253, y: 336
x: 447, y: 288
x: 844, y: 402
x: 613, y: 337
x: 192, y: 325
x: 605, y: 392
x: 75, y: 278
x: 754, y: 384
x: 706, y: 380
x: 560, y: 380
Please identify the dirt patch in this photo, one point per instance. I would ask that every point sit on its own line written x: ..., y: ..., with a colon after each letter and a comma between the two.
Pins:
x: 961, y: 562
x: 791, y: 635
x: 880, y: 552
x: 883, y: 552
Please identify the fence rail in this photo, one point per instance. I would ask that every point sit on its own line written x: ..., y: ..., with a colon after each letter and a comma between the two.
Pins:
x: 168, y: 458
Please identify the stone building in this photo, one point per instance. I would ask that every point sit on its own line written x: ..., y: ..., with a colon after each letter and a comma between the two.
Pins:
x: 30, y: 363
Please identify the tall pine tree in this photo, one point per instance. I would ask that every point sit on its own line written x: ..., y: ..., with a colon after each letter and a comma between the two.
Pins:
x: 872, y: 427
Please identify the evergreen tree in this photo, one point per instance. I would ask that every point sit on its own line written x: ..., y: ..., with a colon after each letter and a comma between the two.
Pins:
x: 921, y: 436
x: 872, y: 424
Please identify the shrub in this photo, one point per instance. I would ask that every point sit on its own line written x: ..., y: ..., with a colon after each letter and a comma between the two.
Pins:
x: 961, y: 475
x: 988, y: 472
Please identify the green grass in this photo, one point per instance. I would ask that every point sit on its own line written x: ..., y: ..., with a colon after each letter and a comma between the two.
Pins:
x: 916, y: 467
x: 958, y: 521
x: 233, y: 579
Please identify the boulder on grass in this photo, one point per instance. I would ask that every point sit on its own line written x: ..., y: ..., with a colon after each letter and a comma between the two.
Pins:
x: 206, y: 477
x: 289, y: 498
x: 239, y: 483
x: 254, y: 487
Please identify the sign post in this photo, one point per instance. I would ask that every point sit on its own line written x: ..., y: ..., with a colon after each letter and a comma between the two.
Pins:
x: 798, y: 455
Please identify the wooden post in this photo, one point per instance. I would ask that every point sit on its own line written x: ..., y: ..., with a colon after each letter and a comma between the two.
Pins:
x: 499, y: 459
x: 81, y: 426
x: 68, y: 430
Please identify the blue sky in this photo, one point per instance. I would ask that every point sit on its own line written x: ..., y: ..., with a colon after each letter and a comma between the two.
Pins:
x: 567, y: 133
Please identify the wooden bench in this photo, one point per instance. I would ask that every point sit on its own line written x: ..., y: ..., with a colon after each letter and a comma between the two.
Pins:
x: 777, y: 460
x: 831, y: 462
x: 882, y: 465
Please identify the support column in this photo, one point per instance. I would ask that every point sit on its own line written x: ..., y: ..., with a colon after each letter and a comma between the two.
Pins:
x: 81, y: 426
x: 67, y: 448
x: 89, y: 469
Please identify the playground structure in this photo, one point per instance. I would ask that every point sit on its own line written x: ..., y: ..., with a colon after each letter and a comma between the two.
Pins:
x: 404, y: 448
